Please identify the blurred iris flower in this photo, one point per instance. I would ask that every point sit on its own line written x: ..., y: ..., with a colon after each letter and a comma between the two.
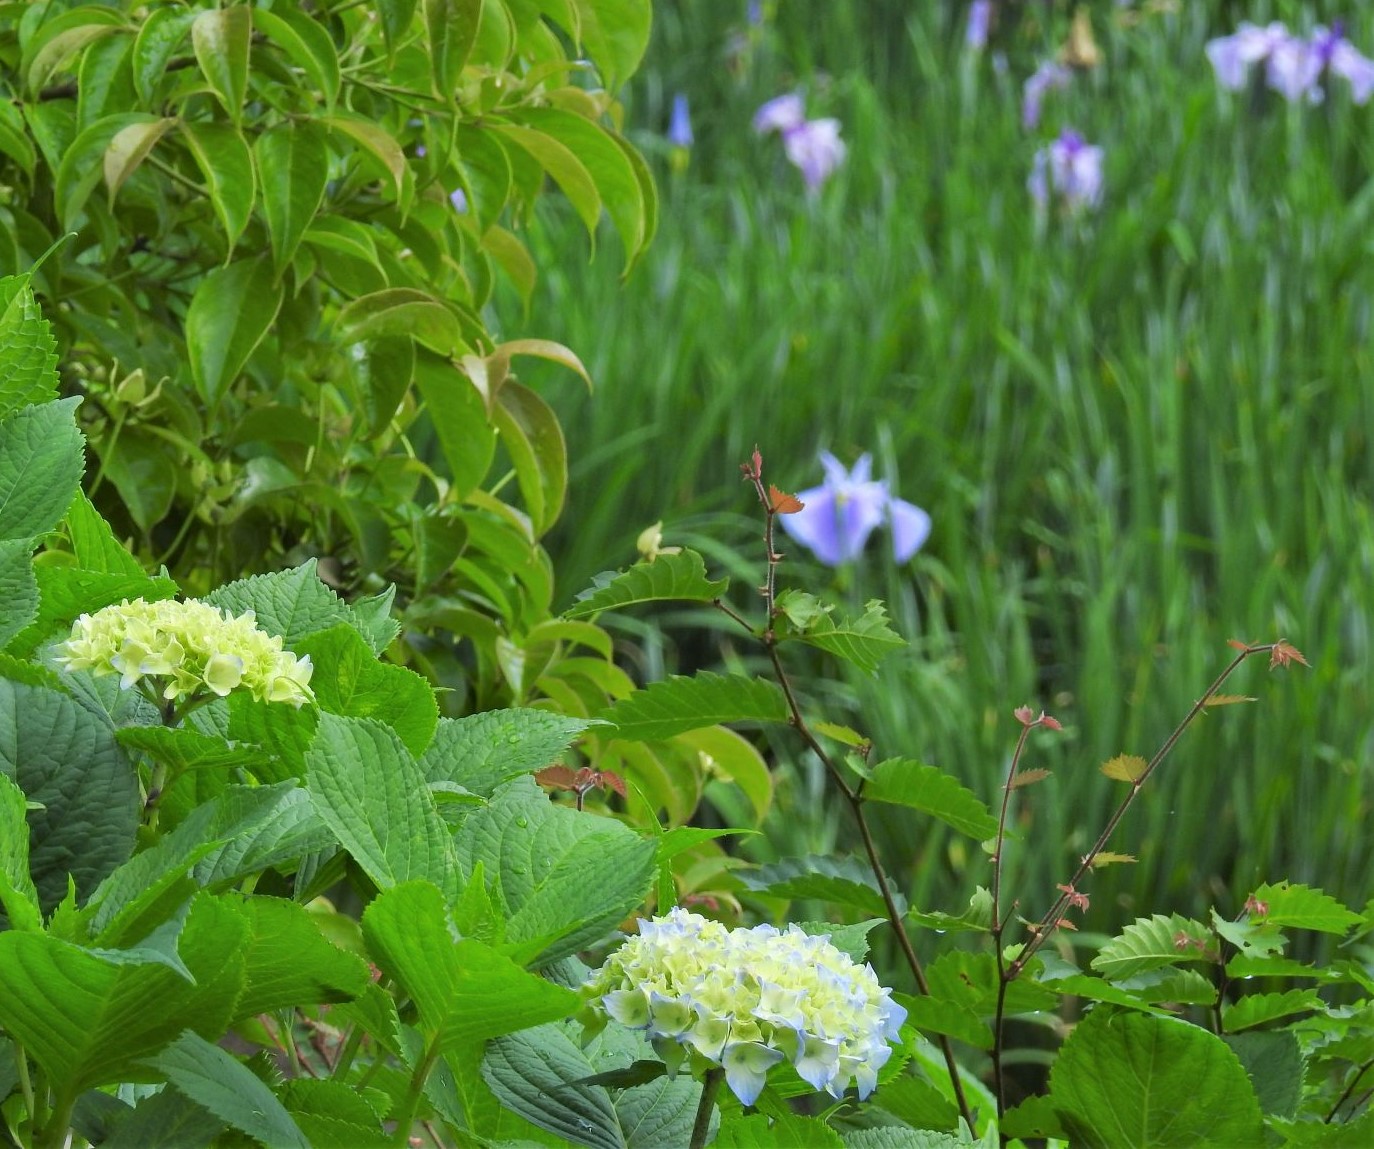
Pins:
x: 1070, y: 171
x: 979, y: 24
x: 1046, y: 78
x: 1293, y: 66
x: 680, y: 123
x: 839, y: 515
x: 813, y: 146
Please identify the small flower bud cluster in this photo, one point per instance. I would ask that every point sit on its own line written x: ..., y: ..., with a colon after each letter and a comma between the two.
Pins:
x: 189, y: 644
x: 747, y: 999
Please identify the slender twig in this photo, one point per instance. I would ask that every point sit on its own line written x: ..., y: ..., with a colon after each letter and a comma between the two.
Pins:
x: 710, y: 1086
x: 1040, y: 933
x: 1349, y: 1089
x: 753, y: 473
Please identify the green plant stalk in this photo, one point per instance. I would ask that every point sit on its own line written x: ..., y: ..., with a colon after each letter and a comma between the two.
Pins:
x: 406, y: 1117
x: 21, y: 1061
x: 753, y: 472
x: 710, y: 1087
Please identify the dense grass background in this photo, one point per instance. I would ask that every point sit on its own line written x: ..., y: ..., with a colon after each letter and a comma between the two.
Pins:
x: 1139, y: 434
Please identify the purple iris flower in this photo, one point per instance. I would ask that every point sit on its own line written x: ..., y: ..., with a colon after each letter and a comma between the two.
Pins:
x: 979, y: 24
x: 680, y: 123
x: 1046, y: 78
x: 1293, y: 66
x: 780, y: 114
x: 1344, y: 59
x: 1232, y: 55
x: 813, y: 146
x: 839, y: 515
x: 1070, y: 169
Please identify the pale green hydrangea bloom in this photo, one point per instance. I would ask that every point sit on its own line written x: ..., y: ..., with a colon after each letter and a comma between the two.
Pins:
x: 747, y: 999
x: 191, y: 645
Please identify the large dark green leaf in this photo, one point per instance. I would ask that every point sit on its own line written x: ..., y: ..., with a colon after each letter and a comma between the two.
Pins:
x: 41, y: 462
x: 161, y: 35
x: 231, y: 311
x: 28, y: 352
x: 452, y: 29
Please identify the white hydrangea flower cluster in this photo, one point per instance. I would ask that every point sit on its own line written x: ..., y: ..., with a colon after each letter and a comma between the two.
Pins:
x: 747, y: 999
x: 192, y: 645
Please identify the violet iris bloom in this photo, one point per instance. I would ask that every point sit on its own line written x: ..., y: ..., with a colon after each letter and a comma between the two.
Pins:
x: 814, y: 146
x: 780, y: 114
x: 680, y: 123
x: 1340, y: 56
x: 1293, y: 66
x: 979, y: 24
x: 1069, y: 169
x: 1232, y: 55
x: 840, y: 514
x: 1046, y: 78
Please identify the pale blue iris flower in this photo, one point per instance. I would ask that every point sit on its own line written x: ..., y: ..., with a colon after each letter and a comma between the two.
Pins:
x: 979, y: 24
x: 680, y: 123
x: 1048, y: 77
x: 813, y: 146
x: 1293, y: 66
x: 1069, y: 171
x: 839, y: 515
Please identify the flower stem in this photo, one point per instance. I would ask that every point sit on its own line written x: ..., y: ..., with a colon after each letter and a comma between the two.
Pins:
x: 701, y: 1128
x: 405, y: 1117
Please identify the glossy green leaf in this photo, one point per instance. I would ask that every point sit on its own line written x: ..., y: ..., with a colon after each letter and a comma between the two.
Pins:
x: 144, y: 469
x: 128, y: 148
x: 466, y: 435
x: 83, y: 164
x: 221, y: 39
x: 308, y: 45
x: 464, y: 991
x: 105, y: 81
x: 396, y: 16
x: 293, y: 169
x: 567, y: 879
x: 232, y: 309
x: 615, y: 34
x: 64, y: 37
x: 87, y: 1016
x: 679, y: 577
x: 159, y: 38
x: 679, y: 704
x: 14, y: 140
x: 902, y: 782
x: 369, y: 790
x: 350, y: 681
x: 567, y: 170
x: 215, y: 1079
x: 451, y: 26
x: 533, y: 437
x: 402, y: 311
x: 726, y: 755
x: 376, y: 141
x: 1134, y: 1080
x: 226, y: 162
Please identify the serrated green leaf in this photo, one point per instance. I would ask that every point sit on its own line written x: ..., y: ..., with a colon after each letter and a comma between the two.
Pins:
x: 165, y: 1120
x: 845, y: 881
x: 28, y: 352
x: 18, y: 588
x: 294, y: 603
x: 1304, y: 908
x: 483, y: 750
x: 94, y: 543
x: 232, y: 309
x: 780, y: 1127
x: 66, y: 593
x: 41, y: 462
x: 348, y: 680
x: 680, y: 577
x: 369, y: 790
x: 1151, y: 943
x: 679, y: 704
x: 531, y: 1074
x: 65, y: 757
x: 566, y: 878
x: 658, y: 1112
x: 288, y: 962
x: 464, y: 991
x: 226, y: 162
x: 221, y: 39
x: 182, y: 748
x: 293, y: 169
x: 1130, y: 1080
x: 215, y: 1079
x: 333, y: 1114
x: 1257, y: 1008
x: 18, y: 897
x: 864, y: 641
x: 978, y: 916
x: 904, y: 782
x: 87, y: 1016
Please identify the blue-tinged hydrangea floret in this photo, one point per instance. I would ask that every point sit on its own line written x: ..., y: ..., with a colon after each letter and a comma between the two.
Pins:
x: 185, y: 647
x: 749, y: 999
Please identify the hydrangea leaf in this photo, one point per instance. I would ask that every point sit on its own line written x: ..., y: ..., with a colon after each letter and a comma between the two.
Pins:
x: 18, y: 897
x: 369, y: 789
x: 94, y: 543
x: 464, y: 991
x: 1135, y: 1080
x: 293, y: 603
x: 165, y: 1120
x: 28, y: 352
x: 566, y: 878
x: 679, y: 577
x: 658, y: 1112
x: 845, y: 881
x: 66, y: 593
x: 481, y: 751
x: 1273, y: 1059
x: 18, y: 588
x: 679, y: 704
x: 929, y: 789
x: 86, y: 1016
x: 758, y: 1131
x: 215, y: 1079
x: 62, y: 755
x: 41, y: 461
x: 332, y: 1113
x: 532, y: 1074
x: 349, y: 680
